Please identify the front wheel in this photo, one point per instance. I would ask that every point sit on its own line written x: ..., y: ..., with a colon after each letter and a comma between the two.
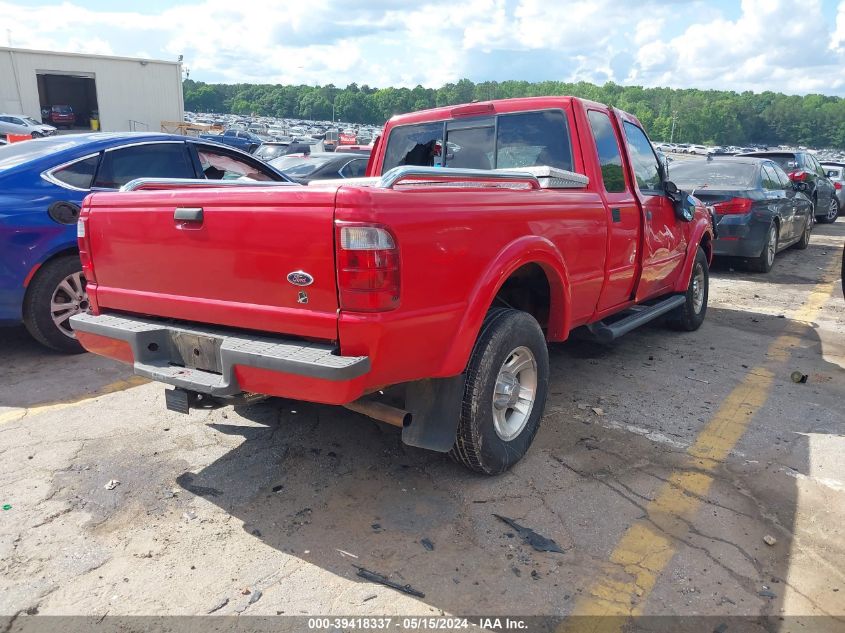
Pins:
x: 56, y: 293
x: 690, y: 315
x: 764, y: 262
x: 37, y: 135
x: 832, y: 212
x: 505, y: 394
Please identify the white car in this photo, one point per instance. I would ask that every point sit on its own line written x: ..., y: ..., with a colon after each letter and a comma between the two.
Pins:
x: 699, y: 150
x: 22, y: 124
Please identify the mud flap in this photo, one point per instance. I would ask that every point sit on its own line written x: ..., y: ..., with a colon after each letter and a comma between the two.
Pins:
x: 435, y: 405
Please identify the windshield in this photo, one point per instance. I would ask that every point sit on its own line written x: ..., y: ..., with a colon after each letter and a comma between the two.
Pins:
x: 300, y: 166
x: 31, y: 121
x: 714, y: 175
x: 63, y: 109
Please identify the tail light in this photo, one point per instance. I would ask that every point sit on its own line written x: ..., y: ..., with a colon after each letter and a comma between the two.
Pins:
x: 734, y: 206
x: 798, y: 176
x: 367, y: 268
x: 837, y: 185
x: 84, y: 240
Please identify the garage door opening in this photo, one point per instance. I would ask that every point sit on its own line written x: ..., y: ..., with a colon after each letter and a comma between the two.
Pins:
x: 68, y: 101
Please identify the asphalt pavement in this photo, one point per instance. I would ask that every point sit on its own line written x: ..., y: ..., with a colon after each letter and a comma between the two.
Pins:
x: 679, y: 473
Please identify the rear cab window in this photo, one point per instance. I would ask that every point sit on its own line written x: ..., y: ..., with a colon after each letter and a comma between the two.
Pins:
x: 503, y: 141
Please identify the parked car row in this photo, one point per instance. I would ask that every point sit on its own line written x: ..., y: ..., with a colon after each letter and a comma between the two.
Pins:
x: 704, y: 150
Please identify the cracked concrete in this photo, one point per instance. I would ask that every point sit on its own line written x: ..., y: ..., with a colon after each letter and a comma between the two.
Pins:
x: 284, y: 497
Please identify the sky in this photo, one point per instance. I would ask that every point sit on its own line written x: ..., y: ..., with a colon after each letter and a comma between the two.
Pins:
x: 737, y: 45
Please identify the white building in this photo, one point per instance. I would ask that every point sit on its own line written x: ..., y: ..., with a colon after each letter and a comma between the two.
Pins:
x: 129, y: 94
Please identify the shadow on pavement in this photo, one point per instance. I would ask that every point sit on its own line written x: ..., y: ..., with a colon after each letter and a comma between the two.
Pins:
x: 32, y: 375
x: 337, y: 490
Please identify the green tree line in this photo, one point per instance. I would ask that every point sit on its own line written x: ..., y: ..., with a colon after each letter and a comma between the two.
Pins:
x: 700, y: 116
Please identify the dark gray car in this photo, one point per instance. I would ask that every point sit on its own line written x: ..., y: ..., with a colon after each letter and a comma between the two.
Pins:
x: 804, y: 167
x: 759, y: 211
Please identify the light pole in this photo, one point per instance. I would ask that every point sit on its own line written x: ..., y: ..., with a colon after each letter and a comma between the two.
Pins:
x: 672, y: 134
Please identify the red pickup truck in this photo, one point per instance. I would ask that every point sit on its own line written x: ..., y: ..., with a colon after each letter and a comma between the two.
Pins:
x: 422, y: 295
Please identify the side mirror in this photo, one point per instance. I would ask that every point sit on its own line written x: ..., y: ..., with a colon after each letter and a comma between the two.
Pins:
x: 799, y: 186
x: 683, y: 202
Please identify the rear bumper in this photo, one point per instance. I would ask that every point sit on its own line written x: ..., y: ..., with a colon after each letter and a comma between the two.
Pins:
x: 740, y: 236
x: 243, y: 362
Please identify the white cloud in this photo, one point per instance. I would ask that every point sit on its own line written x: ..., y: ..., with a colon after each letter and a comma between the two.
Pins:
x: 680, y: 43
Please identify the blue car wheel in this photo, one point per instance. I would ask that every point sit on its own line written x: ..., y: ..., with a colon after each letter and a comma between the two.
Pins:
x: 56, y: 293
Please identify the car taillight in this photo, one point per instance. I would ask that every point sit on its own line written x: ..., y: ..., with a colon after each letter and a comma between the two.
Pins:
x: 733, y: 206
x: 84, y: 242
x: 837, y: 185
x: 798, y: 176
x: 367, y: 268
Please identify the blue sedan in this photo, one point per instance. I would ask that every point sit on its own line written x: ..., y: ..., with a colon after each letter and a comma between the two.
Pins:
x: 42, y: 185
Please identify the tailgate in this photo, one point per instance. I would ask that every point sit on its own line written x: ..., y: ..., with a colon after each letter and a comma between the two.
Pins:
x: 218, y: 256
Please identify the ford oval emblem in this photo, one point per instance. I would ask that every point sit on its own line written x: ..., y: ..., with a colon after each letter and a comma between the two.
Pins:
x: 300, y: 278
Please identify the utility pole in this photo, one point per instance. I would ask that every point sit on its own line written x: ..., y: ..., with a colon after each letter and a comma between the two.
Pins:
x: 674, y: 118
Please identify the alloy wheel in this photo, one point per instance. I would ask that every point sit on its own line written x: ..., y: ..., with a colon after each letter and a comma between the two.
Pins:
x: 68, y: 298
x: 514, y: 393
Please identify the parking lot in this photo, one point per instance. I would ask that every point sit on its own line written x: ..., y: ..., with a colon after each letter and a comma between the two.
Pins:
x: 662, y: 464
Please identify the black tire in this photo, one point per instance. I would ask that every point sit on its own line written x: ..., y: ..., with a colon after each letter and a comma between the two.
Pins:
x: 764, y: 262
x: 479, y: 445
x: 832, y: 212
x: 690, y: 315
x: 37, y: 315
x: 37, y: 135
x: 804, y: 242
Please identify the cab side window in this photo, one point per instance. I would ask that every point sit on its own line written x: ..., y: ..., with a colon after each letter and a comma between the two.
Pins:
x: 607, y: 146
x: 643, y: 159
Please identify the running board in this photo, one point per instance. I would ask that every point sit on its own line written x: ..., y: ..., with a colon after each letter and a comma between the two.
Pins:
x: 609, y: 332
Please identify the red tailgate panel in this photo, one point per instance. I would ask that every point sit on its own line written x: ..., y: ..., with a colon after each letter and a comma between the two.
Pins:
x: 229, y: 269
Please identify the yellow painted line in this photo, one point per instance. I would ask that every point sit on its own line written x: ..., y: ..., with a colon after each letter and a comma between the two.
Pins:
x: 648, y: 545
x: 118, y: 385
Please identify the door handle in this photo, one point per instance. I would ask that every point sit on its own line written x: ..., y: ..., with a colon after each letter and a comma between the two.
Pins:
x: 188, y: 214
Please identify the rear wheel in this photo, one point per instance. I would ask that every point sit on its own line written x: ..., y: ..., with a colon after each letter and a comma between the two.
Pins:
x: 832, y: 212
x: 505, y: 394
x: 804, y: 242
x: 690, y: 315
x: 56, y: 293
x: 764, y: 262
